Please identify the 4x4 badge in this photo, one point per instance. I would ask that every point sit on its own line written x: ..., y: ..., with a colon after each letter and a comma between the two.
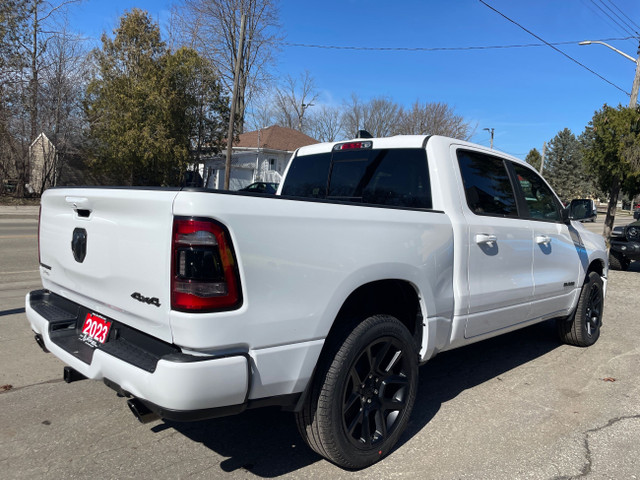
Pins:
x: 79, y: 244
x: 148, y: 300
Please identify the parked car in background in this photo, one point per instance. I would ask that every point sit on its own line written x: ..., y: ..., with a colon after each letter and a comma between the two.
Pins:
x: 636, y: 214
x: 584, y: 208
x: 261, y: 187
x: 625, y: 246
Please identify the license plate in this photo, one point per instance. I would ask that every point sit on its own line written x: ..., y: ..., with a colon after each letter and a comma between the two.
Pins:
x: 95, y: 329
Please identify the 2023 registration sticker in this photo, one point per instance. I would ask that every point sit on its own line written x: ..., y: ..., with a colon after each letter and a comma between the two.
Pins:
x: 95, y: 329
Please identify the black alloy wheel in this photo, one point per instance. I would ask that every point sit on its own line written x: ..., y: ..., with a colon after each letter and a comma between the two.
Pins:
x: 375, y: 392
x: 362, y: 393
x: 582, y: 327
x: 593, y: 310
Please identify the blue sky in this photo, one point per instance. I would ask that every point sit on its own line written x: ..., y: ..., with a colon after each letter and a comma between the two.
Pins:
x: 526, y: 94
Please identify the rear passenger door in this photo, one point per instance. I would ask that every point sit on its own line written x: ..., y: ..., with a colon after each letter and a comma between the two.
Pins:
x: 499, y: 245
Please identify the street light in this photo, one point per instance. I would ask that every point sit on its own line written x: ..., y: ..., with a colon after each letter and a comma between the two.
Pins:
x: 636, y: 80
x: 490, y: 130
x: 303, y: 106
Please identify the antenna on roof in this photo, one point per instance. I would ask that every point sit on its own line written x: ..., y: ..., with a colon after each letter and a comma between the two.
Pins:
x: 363, y: 134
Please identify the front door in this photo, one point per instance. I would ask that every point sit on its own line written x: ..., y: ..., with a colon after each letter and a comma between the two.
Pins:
x: 556, y: 252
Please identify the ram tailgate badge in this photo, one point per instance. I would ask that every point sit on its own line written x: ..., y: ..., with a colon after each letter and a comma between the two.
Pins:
x: 79, y: 244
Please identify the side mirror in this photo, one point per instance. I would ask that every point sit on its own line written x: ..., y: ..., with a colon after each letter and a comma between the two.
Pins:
x: 582, y: 209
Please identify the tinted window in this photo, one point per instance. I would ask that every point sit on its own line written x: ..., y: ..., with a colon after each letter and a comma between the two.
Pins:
x: 538, y: 196
x: 487, y: 185
x: 382, y: 177
x: 395, y: 177
x: 308, y: 176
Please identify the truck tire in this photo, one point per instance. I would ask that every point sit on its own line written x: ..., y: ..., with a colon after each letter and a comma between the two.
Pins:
x: 618, y: 262
x: 582, y: 328
x: 362, y: 393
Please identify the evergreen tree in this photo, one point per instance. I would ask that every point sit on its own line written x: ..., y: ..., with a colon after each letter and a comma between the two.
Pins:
x: 612, y: 154
x: 534, y: 159
x: 564, y: 167
x: 150, y: 109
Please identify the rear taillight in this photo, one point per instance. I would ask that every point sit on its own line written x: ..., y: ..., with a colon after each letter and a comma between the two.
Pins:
x: 204, y: 277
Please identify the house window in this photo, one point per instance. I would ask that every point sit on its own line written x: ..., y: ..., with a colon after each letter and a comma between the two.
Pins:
x: 272, y: 164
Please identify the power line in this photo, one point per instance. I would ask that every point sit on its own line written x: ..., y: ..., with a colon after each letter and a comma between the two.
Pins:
x: 622, y: 27
x: 590, y: 6
x: 629, y: 27
x: 624, y: 15
x: 555, y: 48
x: 441, y: 49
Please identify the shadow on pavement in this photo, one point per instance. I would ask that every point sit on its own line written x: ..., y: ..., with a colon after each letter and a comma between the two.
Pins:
x: 453, y: 372
x: 266, y: 443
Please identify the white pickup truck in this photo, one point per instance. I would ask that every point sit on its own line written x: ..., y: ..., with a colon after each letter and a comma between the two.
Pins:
x: 375, y: 255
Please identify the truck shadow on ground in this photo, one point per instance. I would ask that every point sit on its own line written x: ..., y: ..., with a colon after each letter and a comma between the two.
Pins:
x: 266, y: 443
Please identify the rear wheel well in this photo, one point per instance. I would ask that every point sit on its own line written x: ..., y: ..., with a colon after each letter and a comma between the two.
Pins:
x: 397, y: 298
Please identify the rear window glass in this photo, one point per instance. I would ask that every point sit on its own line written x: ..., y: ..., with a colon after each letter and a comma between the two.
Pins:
x: 393, y: 177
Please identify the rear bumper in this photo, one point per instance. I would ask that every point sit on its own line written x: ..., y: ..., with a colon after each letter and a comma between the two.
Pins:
x: 175, y: 385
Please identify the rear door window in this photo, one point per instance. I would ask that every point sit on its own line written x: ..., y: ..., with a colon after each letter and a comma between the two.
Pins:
x: 308, y: 176
x: 487, y: 185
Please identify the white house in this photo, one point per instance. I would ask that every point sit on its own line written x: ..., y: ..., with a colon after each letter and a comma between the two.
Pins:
x: 259, y: 156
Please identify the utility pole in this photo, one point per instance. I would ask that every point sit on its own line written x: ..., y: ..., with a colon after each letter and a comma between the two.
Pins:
x: 544, y: 152
x: 636, y: 83
x: 234, y: 99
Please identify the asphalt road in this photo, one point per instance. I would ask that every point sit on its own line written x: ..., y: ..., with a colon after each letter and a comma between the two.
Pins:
x: 520, y: 406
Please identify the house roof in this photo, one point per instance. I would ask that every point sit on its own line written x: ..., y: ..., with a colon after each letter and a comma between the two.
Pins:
x: 275, y: 138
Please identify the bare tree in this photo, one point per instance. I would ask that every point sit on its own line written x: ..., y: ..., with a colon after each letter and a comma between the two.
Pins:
x: 380, y: 116
x: 212, y: 27
x: 434, y: 118
x: 325, y: 124
x: 62, y: 115
x: 261, y: 113
x: 293, y: 99
x: 33, y: 31
x: 353, y: 116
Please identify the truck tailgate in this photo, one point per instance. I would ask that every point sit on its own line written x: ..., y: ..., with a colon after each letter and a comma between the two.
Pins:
x: 110, y: 251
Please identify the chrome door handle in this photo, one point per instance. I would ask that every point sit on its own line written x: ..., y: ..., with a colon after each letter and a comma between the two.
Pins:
x: 486, y: 238
x: 543, y: 239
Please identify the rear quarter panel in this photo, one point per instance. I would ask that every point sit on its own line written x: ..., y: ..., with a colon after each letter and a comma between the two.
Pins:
x: 300, y: 260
